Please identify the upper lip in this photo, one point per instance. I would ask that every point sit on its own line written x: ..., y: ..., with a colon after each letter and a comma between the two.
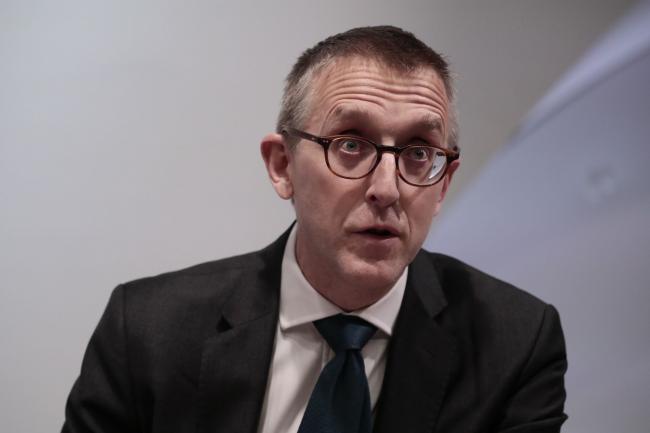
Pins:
x: 380, y: 228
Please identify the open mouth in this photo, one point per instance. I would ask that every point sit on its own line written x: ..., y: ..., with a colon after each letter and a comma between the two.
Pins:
x: 381, y: 233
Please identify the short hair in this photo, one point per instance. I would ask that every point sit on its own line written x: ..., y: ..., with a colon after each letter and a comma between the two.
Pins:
x: 389, y: 46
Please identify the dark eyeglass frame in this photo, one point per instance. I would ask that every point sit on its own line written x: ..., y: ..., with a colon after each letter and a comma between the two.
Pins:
x: 325, y: 142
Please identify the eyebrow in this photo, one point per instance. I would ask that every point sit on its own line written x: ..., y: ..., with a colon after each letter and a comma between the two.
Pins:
x: 343, y: 114
x: 428, y: 122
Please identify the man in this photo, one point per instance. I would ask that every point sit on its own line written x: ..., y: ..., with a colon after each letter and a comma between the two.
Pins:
x: 343, y: 324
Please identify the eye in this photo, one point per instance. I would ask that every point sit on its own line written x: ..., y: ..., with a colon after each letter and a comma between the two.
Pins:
x: 349, y: 146
x: 418, y: 153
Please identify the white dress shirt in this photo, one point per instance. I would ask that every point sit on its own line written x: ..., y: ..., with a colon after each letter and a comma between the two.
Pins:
x: 300, y: 352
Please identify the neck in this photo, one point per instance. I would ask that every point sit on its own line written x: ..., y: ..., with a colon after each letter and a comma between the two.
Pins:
x: 350, y: 300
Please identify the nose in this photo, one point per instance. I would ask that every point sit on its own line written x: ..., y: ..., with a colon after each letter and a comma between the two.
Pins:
x: 383, y: 191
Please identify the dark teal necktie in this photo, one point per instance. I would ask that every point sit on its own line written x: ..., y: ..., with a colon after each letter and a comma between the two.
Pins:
x: 340, y: 402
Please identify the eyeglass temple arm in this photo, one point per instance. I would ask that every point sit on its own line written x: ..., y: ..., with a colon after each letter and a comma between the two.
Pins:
x: 305, y: 135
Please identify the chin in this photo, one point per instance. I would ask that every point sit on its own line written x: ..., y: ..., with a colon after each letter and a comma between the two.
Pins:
x: 373, y: 274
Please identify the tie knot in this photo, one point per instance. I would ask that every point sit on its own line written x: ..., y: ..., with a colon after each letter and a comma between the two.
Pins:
x: 345, y: 332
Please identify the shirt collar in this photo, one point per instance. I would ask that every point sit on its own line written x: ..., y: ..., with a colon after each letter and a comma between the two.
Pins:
x: 300, y: 303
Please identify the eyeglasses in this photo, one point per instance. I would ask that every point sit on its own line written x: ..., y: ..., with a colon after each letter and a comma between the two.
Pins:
x: 353, y: 157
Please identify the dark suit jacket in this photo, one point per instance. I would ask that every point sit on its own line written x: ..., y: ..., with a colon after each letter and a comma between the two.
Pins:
x: 190, y: 351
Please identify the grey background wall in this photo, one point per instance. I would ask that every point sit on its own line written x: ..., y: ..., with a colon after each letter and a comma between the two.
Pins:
x: 129, y: 139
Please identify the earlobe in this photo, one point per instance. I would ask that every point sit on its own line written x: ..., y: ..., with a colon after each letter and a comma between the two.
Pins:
x: 277, y: 158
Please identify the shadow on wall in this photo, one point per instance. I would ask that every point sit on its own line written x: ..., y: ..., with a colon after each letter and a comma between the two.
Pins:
x: 563, y: 212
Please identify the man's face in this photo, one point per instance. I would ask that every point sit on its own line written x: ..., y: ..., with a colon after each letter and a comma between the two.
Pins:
x: 357, y: 236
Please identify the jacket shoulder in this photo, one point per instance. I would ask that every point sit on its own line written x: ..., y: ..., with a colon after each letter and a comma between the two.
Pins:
x: 215, y: 277
x: 486, y: 311
x: 462, y: 282
x: 217, y: 271
x: 191, y: 297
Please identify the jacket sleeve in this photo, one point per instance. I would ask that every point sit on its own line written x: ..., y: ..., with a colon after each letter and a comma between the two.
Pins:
x: 101, y: 399
x: 537, y: 405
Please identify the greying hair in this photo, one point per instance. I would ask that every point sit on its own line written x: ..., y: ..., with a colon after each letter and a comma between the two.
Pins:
x: 389, y: 46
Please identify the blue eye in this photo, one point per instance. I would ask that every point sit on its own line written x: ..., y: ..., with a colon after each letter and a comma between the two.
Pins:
x: 350, y: 146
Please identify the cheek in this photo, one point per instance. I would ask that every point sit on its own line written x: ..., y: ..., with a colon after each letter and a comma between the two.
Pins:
x: 421, y: 209
x: 327, y: 203
x: 314, y: 189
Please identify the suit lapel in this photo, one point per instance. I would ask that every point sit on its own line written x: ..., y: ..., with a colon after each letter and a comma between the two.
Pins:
x: 237, y: 357
x: 420, y: 357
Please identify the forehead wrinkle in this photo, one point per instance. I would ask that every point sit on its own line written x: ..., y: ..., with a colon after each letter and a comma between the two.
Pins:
x: 383, y: 74
x: 439, y: 107
x: 343, y: 105
x: 420, y: 89
x: 434, y: 85
x: 370, y: 91
x: 417, y: 92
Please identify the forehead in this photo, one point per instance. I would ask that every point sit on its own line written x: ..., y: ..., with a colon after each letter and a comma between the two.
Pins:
x: 363, y: 89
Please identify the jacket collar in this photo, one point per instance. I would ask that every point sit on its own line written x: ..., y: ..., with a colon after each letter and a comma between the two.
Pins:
x: 236, y: 357
x: 421, y: 356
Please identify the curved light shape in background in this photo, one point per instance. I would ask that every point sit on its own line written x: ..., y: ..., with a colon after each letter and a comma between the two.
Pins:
x: 564, y: 212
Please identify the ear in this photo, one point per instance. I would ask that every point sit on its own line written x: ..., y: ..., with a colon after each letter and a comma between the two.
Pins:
x: 277, y: 158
